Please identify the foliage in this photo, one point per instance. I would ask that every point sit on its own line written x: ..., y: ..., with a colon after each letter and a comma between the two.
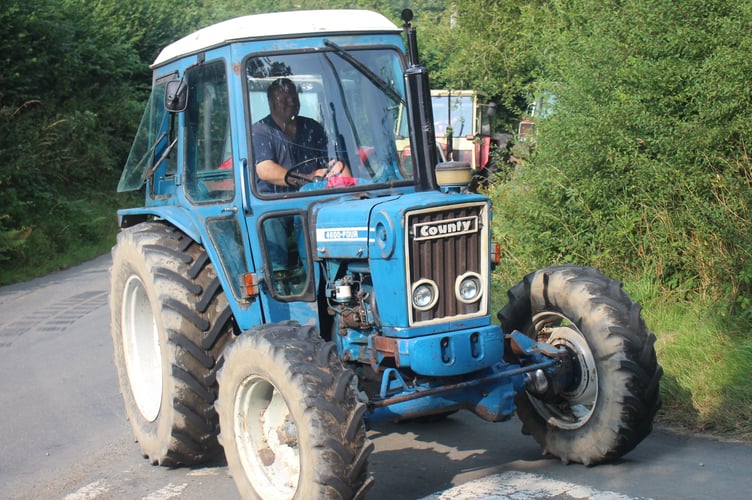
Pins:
x: 485, y: 47
x: 73, y: 84
x: 644, y: 164
x: 643, y: 171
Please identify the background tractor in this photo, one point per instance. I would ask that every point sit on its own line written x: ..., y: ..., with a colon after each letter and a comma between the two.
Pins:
x: 382, y: 309
x: 542, y: 106
x: 462, y: 125
x: 463, y: 132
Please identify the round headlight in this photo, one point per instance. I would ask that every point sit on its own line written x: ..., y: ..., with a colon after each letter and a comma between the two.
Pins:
x: 469, y: 287
x: 425, y: 295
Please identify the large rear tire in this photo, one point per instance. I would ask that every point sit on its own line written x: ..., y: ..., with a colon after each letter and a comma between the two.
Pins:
x: 292, y: 423
x: 609, y: 407
x: 170, y: 321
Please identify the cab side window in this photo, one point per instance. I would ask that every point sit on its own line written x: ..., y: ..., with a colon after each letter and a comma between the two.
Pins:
x: 208, y: 152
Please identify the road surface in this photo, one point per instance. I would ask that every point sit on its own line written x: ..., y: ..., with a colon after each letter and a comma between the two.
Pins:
x: 65, y: 436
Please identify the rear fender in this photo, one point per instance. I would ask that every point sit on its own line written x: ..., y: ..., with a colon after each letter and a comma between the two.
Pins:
x: 176, y: 216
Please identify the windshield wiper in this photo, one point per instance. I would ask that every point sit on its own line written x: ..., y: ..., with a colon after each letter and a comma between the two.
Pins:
x: 366, y: 71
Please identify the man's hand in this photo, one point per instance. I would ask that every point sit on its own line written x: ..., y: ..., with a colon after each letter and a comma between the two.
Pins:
x: 336, y: 168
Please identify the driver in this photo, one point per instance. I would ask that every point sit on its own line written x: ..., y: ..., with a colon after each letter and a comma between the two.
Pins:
x: 283, y: 139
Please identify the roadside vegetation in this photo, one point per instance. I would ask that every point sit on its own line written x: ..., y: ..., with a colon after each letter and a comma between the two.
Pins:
x: 642, y: 169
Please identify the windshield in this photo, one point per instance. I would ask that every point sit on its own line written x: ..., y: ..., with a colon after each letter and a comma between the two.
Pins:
x: 150, y: 143
x: 322, y: 123
x: 455, y: 111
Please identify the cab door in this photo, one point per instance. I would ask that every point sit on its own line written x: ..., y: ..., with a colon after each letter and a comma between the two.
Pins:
x: 210, y: 180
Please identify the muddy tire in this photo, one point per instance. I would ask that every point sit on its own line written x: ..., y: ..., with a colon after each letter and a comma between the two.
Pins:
x: 292, y: 423
x: 609, y: 407
x: 170, y: 320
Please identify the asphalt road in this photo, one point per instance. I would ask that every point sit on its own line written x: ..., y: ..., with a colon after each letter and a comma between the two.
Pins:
x: 65, y: 436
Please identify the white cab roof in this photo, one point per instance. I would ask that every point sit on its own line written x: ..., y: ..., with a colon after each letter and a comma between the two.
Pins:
x: 278, y: 25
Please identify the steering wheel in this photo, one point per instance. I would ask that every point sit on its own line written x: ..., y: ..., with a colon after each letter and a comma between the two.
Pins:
x: 294, y: 179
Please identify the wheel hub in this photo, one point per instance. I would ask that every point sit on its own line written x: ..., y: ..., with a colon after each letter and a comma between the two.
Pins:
x: 576, y: 402
x: 584, y: 388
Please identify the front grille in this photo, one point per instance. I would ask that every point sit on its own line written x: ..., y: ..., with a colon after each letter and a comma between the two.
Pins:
x: 444, y: 243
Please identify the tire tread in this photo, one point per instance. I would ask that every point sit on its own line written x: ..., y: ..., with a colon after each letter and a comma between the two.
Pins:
x: 198, y: 323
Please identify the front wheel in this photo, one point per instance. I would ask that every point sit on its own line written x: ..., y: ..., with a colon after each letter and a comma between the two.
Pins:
x: 609, y: 406
x: 291, y: 421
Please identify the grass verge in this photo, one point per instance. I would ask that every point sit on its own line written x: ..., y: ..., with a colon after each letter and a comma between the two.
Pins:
x: 70, y: 232
x: 706, y: 357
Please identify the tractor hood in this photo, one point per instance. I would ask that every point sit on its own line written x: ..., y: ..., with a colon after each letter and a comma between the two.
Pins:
x: 341, y: 233
x: 340, y: 230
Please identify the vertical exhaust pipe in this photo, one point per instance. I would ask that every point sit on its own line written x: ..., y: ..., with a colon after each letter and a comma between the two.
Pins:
x: 419, y: 112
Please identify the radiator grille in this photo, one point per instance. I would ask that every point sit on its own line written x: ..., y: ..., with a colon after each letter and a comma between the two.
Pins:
x: 442, y: 244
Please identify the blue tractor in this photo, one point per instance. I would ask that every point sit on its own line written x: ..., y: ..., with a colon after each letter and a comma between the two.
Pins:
x: 271, y: 300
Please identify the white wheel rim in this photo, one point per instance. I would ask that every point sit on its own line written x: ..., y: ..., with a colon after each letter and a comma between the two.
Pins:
x: 579, y: 402
x: 266, y: 439
x: 143, y: 360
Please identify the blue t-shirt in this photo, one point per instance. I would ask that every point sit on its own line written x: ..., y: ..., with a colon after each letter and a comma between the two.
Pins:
x: 271, y: 143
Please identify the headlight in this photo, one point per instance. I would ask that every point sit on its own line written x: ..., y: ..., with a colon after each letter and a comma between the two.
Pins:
x: 468, y: 287
x: 425, y: 294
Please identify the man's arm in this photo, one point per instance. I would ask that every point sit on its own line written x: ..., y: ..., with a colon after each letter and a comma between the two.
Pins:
x: 275, y: 173
x: 272, y: 172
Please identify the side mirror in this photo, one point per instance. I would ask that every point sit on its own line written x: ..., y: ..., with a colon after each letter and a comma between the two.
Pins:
x: 176, y: 96
x: 491, y: 111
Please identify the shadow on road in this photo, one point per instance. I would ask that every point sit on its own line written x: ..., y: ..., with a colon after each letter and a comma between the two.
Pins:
x: 414, y: 459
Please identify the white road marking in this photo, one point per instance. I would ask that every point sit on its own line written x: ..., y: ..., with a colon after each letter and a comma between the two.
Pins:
x: 90, y: 491
x: 512, y: 485
x: 99, y: 488
x: 515, y: 485
x: 169, y: 491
